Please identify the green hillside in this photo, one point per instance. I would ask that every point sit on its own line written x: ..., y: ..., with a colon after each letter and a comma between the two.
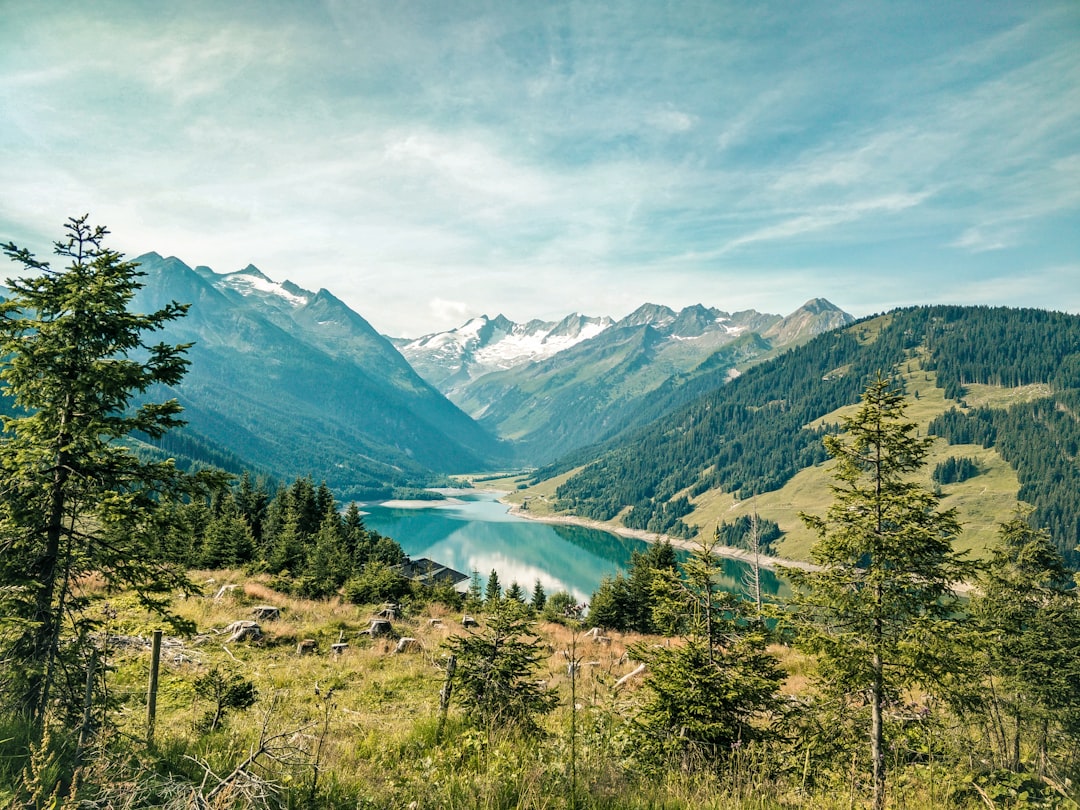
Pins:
x: 1000, y: 386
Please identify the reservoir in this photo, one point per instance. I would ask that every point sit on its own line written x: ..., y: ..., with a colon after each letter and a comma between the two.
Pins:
x: 472, y: 531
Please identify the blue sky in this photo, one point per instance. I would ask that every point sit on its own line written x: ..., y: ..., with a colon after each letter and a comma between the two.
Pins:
x: 431, y: 161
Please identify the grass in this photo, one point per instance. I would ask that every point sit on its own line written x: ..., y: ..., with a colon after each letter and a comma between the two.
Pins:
x: 373, y: 715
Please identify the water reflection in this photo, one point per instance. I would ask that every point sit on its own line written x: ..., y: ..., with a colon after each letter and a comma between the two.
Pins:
x: 476, y: 533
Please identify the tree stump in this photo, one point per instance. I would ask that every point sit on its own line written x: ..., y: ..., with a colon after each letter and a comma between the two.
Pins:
x: 380, y: 627
x: 266, y: 613
x: 408, y: 644
x: 243, y: 630
x: 307, y: 646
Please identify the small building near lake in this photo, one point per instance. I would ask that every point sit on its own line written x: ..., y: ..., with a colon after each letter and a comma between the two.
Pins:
x: 429, y: 572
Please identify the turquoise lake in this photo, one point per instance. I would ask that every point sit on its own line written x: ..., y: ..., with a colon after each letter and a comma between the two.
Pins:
x: 474, y: 532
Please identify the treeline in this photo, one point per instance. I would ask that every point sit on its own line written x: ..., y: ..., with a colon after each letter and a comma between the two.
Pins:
x: 298, y: 533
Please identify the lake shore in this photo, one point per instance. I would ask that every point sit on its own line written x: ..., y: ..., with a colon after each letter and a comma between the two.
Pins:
x: 651, y: 537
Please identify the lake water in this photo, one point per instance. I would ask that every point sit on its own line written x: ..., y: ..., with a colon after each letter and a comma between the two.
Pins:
x: 474, y: 532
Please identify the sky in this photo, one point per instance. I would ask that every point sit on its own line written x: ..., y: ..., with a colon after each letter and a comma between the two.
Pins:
x: 431, y: 161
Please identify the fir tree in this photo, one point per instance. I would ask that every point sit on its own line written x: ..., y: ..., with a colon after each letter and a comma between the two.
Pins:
x: 495, y: 679
x: 539, y: 597
x: 884, y: 589
x: 76, y: 499
x: 493, y: 589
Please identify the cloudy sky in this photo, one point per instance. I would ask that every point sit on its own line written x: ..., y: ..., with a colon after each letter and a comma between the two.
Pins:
x: 431, y: 161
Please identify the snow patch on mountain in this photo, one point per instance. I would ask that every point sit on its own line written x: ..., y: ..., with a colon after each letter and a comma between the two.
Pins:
x: 251, y: 281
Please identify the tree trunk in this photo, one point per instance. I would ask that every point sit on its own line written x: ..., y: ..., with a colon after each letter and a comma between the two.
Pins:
x: 877, y: 736
x: 46, y: 640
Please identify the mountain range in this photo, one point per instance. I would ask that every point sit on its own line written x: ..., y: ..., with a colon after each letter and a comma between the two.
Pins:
x: 663, y: 421
x: 553, y: 387
x: 292, y: 382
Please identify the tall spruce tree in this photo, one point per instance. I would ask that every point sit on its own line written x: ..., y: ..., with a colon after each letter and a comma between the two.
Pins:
x: 884, y: 588
x: 75, y: 499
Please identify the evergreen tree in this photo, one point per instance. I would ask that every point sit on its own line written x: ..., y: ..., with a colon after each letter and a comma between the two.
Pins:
x: 495, y: 679
x: 227, y: 541
x: 516, y: 592
x: 76, y: 500
x: 708, y: 696
x: 474, y: 597
x: 539, y: 597
x: 493, y: 590
x: 1029, y: 615
x: 328, y: 565
x: 355, y: 536
x: 884, y: 589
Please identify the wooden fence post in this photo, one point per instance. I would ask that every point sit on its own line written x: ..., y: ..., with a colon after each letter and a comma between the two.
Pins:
x: 151, y: 696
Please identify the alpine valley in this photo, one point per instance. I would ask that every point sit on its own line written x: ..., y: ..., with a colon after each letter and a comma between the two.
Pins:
x: 672, y: 422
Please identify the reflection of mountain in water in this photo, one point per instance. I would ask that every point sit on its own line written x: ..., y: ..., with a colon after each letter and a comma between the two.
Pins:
x: 618, y: 549
x: 479, y: 535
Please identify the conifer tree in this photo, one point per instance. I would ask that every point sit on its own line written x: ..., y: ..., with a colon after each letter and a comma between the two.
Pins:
x: 493, y: 589
x: 75, y: 499
x: 516, y: 592
x: 884, y: 589
x: 496, y: 671
x: 539, y: 597
x: 710, y: 695
x: 1028, y: 612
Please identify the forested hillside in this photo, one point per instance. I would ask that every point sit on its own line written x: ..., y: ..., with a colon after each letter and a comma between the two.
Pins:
x: 752, y: 435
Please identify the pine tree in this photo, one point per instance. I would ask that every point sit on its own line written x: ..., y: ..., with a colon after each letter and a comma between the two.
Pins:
x: 884, y: 588
x: 1028, y: 613
x: 493, y: 590
x: 76, y: 500
x: 495, y: 678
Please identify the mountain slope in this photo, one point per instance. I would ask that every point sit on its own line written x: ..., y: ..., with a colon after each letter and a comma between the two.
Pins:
x: 449, y: 360
x: 755, y: 435
x: 637, y: 367
x: 298, y: 383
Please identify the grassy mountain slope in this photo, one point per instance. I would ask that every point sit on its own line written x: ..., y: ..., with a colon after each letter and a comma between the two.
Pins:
x: 1013, y: 375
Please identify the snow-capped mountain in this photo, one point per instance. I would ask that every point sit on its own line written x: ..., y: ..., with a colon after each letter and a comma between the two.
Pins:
x: 450, y: 359
x: 300, y: 382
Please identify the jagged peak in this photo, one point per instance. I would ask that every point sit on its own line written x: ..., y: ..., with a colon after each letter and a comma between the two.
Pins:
x: 649, y: 313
